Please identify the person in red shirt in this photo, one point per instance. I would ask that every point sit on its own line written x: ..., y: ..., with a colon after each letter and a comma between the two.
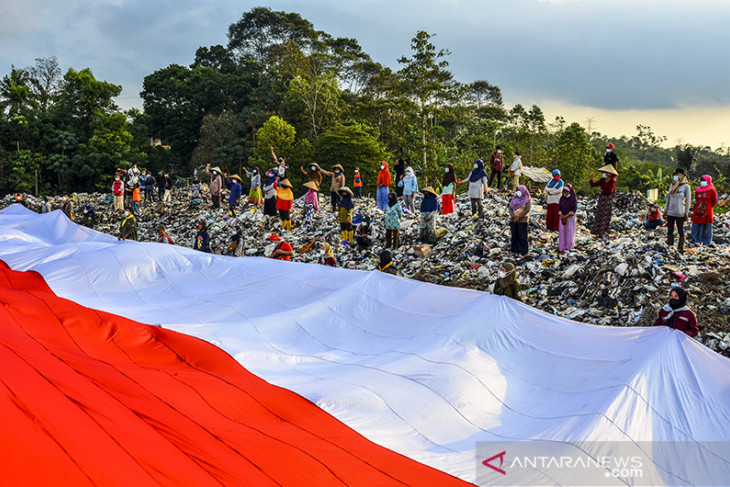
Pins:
x: 283, y: 250
x: 383, y: 185
x: 604, y: 207
x: 677, y: 315
x: 497, y: 164
x: 702, y: 217
x: 654, y: 218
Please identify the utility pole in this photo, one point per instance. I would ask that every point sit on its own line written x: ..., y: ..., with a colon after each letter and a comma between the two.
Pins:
x: 589, y: 121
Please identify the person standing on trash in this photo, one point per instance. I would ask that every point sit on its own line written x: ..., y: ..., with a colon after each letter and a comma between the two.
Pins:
x: 162, y: 236
x: 216, y: 185
x: 392, y: 222
x: 410, y: 188
x: 150, y: 194
x: 167, y: 195
x: 345, y: 216
x: 283, y: 249
x: 68, y: 207
x: 385, y: 263
x: 429, y: 211
x: 357, y: 184
x: 328, y: 255
x: 314, y: 175
x: 284, y: 202
x: 338, y: 182
x: 519, y: 213
x: 118, y: 193
x: 234, y: 198
x: 567, y: 208
x: 496, y: 163
x: 254, y: 194
x: 610, y: 157
x: 136, y: 198
x: 45, y: 206
x: 676, y: 208
x: 400, y: 173
x: 281, y: 166
x: 196, y: 189
x: 202, y: 239
x: 383, y: 186
x: 272, y: 176
x: 515, y: 170
x: 553, y: 191
x: 604, y: 207
x: 653, y: 217
x: 448, y: 191
x: 702, y: 216
x: 478, y: 184
x: 128, y: 228
x: 160, y: 185
x: 507, y: 284
x: 677, y: 315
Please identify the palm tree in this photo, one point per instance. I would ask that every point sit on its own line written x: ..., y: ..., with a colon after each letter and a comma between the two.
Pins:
x: 15, y: 91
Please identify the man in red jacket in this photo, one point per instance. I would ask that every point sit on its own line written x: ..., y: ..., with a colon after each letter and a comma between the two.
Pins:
x: 677, y: 315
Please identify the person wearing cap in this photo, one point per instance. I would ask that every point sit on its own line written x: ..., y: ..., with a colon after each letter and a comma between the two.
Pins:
x: 202, y: 238
x: 448, y: 191
x: 357, y: 184
x: 280, y: 162
x: 702, y: 215
x: 338, y: 181
x: 553, y: 191
x: 515, y: 170
x: 507, y: 283
x: 677, y: 315
x: 216, y: 185
x: 284, y: 202
x: 385, y: 263
x: 345, y: 216
x: 118, y: 193
x: 567, y: 208
x: 234, y: 198
x: 604, y: 207
x: 392, y: 222
x: 128, y: 228
x: 272, y: 176
x: 429, y: 210
x: 410, y: 188
x: 254, y: 195
x: 283, y: 249
x: 653, y: 217
x: 676, y: 208
x: 327, y: 257
x: 162, y: 236
x: 610, y: 157
x: 496, y: 163
x: 365, y: 234
x: 68, y: 207
x: 383, y: 186
x: 478, y: 184
x: 519, y: 214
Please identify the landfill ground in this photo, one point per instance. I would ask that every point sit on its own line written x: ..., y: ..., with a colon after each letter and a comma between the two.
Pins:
x: 621, y: 279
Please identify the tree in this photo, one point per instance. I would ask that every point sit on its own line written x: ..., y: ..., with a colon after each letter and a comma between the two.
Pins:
x: 45, y: 80
x: 15, y: 92
x: 83, y: 100
x: 274, y: 133
x: 220, y: 142
x: 572, y: 152
x: 647, y: 140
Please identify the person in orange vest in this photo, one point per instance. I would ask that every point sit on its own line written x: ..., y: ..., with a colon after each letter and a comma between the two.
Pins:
x: 19, y: 199
x: 357, y: 184
x: 136, y: 198
x: 283, y: 250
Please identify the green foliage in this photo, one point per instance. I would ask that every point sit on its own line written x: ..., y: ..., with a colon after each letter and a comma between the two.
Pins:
x: 274, y: 133
x: 572, y: 153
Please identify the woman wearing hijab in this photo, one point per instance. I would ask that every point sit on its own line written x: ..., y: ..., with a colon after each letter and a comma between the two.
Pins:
x: 519, y: 213
x: 272, y: 176
x: 400, y: 172
x: 385, y: 263
x: 702, y: 217
x: 677, y: 315
x: 314, y: 174
x: 567, y: 208
x: 254, y: 195
x: 345, y: 217
x: 506, y: 284
x: 478, y: 184
x: 448, y: 193
x: 676, y: 209
x: 234, y: 198
x: 328, y: 256
x: 604, y: 207
x: 429, y: 210
x: 392, y: 222
x: 284, y: 201
x: 553, y: 190
x: 383, y: 185
x: 410, y: 188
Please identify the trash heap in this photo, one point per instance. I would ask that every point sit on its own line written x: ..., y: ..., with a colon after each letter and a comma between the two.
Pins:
x: 621, y: 279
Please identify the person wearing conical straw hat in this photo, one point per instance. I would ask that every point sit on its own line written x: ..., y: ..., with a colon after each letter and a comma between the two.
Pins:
x: 314, y: 174
x: 234, y: 184
x: 345, y: 216
x: 604, y: 207
x: 284, y: 199
x: 429, y: 210
x: 215, y: 186
x: 309, y: 201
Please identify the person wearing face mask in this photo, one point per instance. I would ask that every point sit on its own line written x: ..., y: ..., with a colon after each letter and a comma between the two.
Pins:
x: 314, y: 175
x: 496, y: 162
x: 284, y: 202
x: 45, y: 205
x: 365, y: 234
x: 281, y: 166
x: 202, y: 238
x: 327, y: 255
x: 677, y: 315
x: 567, y: 208
x: 234, y: 183
x: 519, y: 213
x: 604, y: 207
x: 400, y: 173
x: 448, y: 191
x: 338, y: 182
x: 429, y: 210
x: 478, y: 185
x: 653, y: 218
x: 357, y: 184
x: 118, y: 193
x: 676, y: 209
x: 507, y: 284
x: 254, y: 195
x: 272, y: 176
x: 610, y: 157
x: 68, y: 207
x: 383, y: 184
x: 702, y: 216
x: 392, y: 222
x: 410, y: 188
x: 553, y: 191
x: 515, y: 170
x: 345, y: 217
x: 385, y: 263
x: 215, y: 186
x: 128, y: 228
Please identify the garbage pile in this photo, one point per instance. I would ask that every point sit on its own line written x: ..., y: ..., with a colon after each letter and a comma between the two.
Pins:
x: 621, y: 279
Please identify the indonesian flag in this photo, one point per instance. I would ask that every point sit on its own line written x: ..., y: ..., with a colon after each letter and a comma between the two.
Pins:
x: 426, y: 371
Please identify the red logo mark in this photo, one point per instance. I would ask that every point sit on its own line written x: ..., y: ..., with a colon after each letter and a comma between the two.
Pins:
x: 501, y: 462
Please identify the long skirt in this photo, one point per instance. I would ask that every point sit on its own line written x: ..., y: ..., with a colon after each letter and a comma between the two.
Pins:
x: 520, y: 243
x: 427, y: 229
x: 313, y: 198
x: 552, y: 217
x: 254, y: 197
x: 270, y: 206
x: 566, y: 234
x: 447, y: 204
x: 603, y: 214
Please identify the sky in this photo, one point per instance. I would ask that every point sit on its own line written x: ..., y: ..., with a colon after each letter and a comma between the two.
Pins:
x: 617, y: 63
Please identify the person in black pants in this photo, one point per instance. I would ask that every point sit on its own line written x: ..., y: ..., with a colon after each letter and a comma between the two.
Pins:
x: 497, y: 164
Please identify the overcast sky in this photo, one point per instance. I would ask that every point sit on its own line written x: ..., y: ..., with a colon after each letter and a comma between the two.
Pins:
x: 619, y: 62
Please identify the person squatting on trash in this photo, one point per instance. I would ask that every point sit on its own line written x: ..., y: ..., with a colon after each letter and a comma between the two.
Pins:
x: 365, y: 234
x: 202, y: 238
x: 448, y: 191
x: 345, y: 216
x: 478, y: 185
x: 283, y: 249
x: 327, y: 256
x: 567, y: 209
x: 284, y: 202
x: 383, y: 186
x: 553, y: 191
x: 128, y: 227
x: 410, y: 188
x: 429, y: 210
x: 519, y: 213
x: 162, y: 236
x: 653, y: 217
x: 506, y: 284
x: 676, y: 208
x: 677, y: 315
x: 235, y: 247
x: 392, y: 222
x: 604, y: 207
x: 702, y: 216
x: 385, y: 263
